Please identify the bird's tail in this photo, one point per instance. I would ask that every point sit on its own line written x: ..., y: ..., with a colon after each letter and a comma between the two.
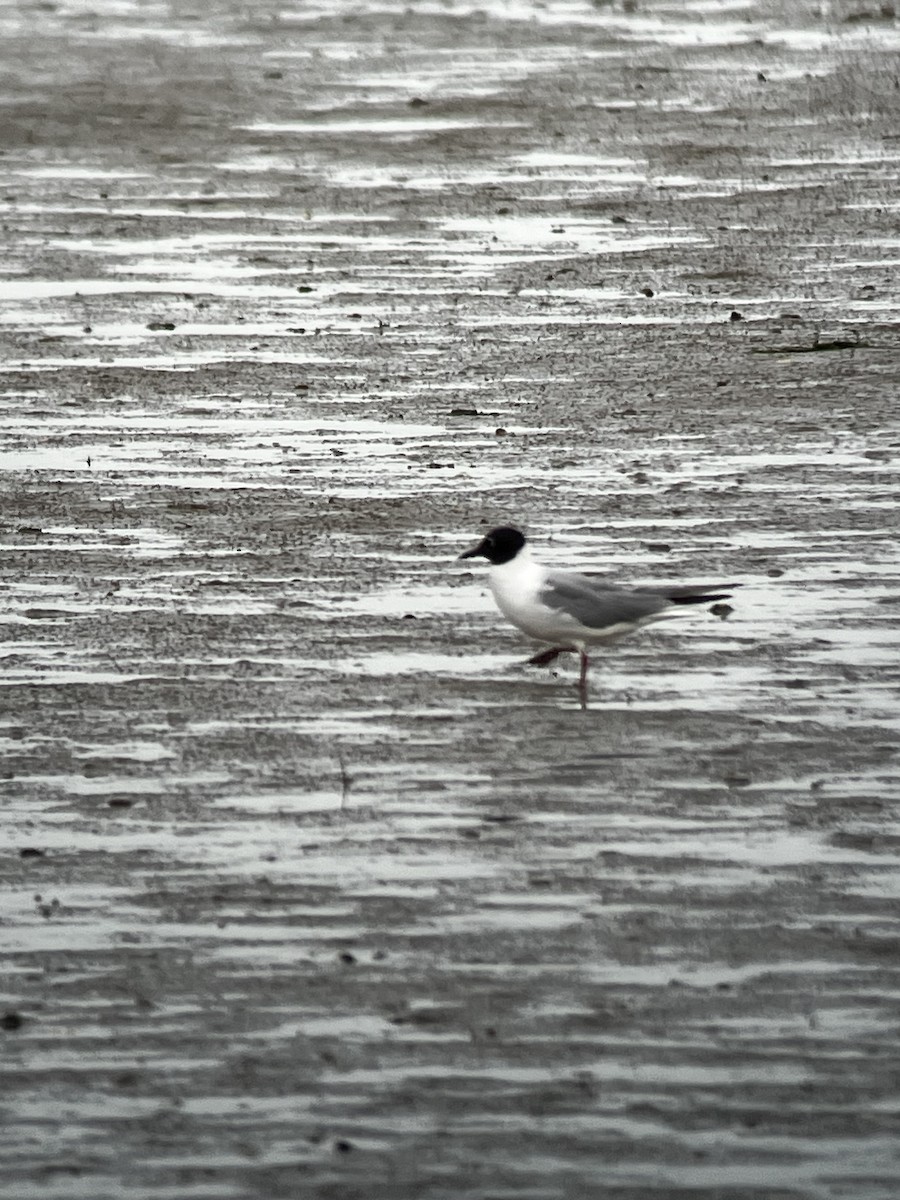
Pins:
x: 700, y: 593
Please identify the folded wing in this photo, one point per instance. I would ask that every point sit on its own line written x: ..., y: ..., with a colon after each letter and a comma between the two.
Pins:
x: 599, y: 606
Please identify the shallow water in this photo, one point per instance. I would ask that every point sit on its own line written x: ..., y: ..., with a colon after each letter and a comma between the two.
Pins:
x: 313, y: 887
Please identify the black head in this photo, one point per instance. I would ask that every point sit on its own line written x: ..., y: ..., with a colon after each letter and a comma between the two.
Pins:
x: 499, y: 546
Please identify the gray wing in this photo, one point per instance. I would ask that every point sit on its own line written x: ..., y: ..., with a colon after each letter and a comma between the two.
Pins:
x: 597, y: 605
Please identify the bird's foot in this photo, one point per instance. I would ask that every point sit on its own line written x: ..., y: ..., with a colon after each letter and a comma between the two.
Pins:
x: 543, y: 658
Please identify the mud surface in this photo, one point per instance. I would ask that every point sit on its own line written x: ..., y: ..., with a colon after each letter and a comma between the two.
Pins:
x: 309, y: 886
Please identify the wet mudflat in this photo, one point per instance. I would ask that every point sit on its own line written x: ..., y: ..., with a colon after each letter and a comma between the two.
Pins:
x: 309, y: 886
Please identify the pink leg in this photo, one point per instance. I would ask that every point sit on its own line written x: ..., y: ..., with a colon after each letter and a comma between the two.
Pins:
x: 582, y: 682
x: 544, y: 657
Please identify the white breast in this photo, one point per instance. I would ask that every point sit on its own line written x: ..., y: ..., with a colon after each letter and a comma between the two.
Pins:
x: 515, y: 586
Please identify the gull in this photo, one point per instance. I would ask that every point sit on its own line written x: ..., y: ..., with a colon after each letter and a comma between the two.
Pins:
x: 575, y: 612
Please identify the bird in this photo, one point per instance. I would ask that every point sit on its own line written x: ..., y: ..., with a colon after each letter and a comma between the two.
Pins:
x: 575, y: 612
